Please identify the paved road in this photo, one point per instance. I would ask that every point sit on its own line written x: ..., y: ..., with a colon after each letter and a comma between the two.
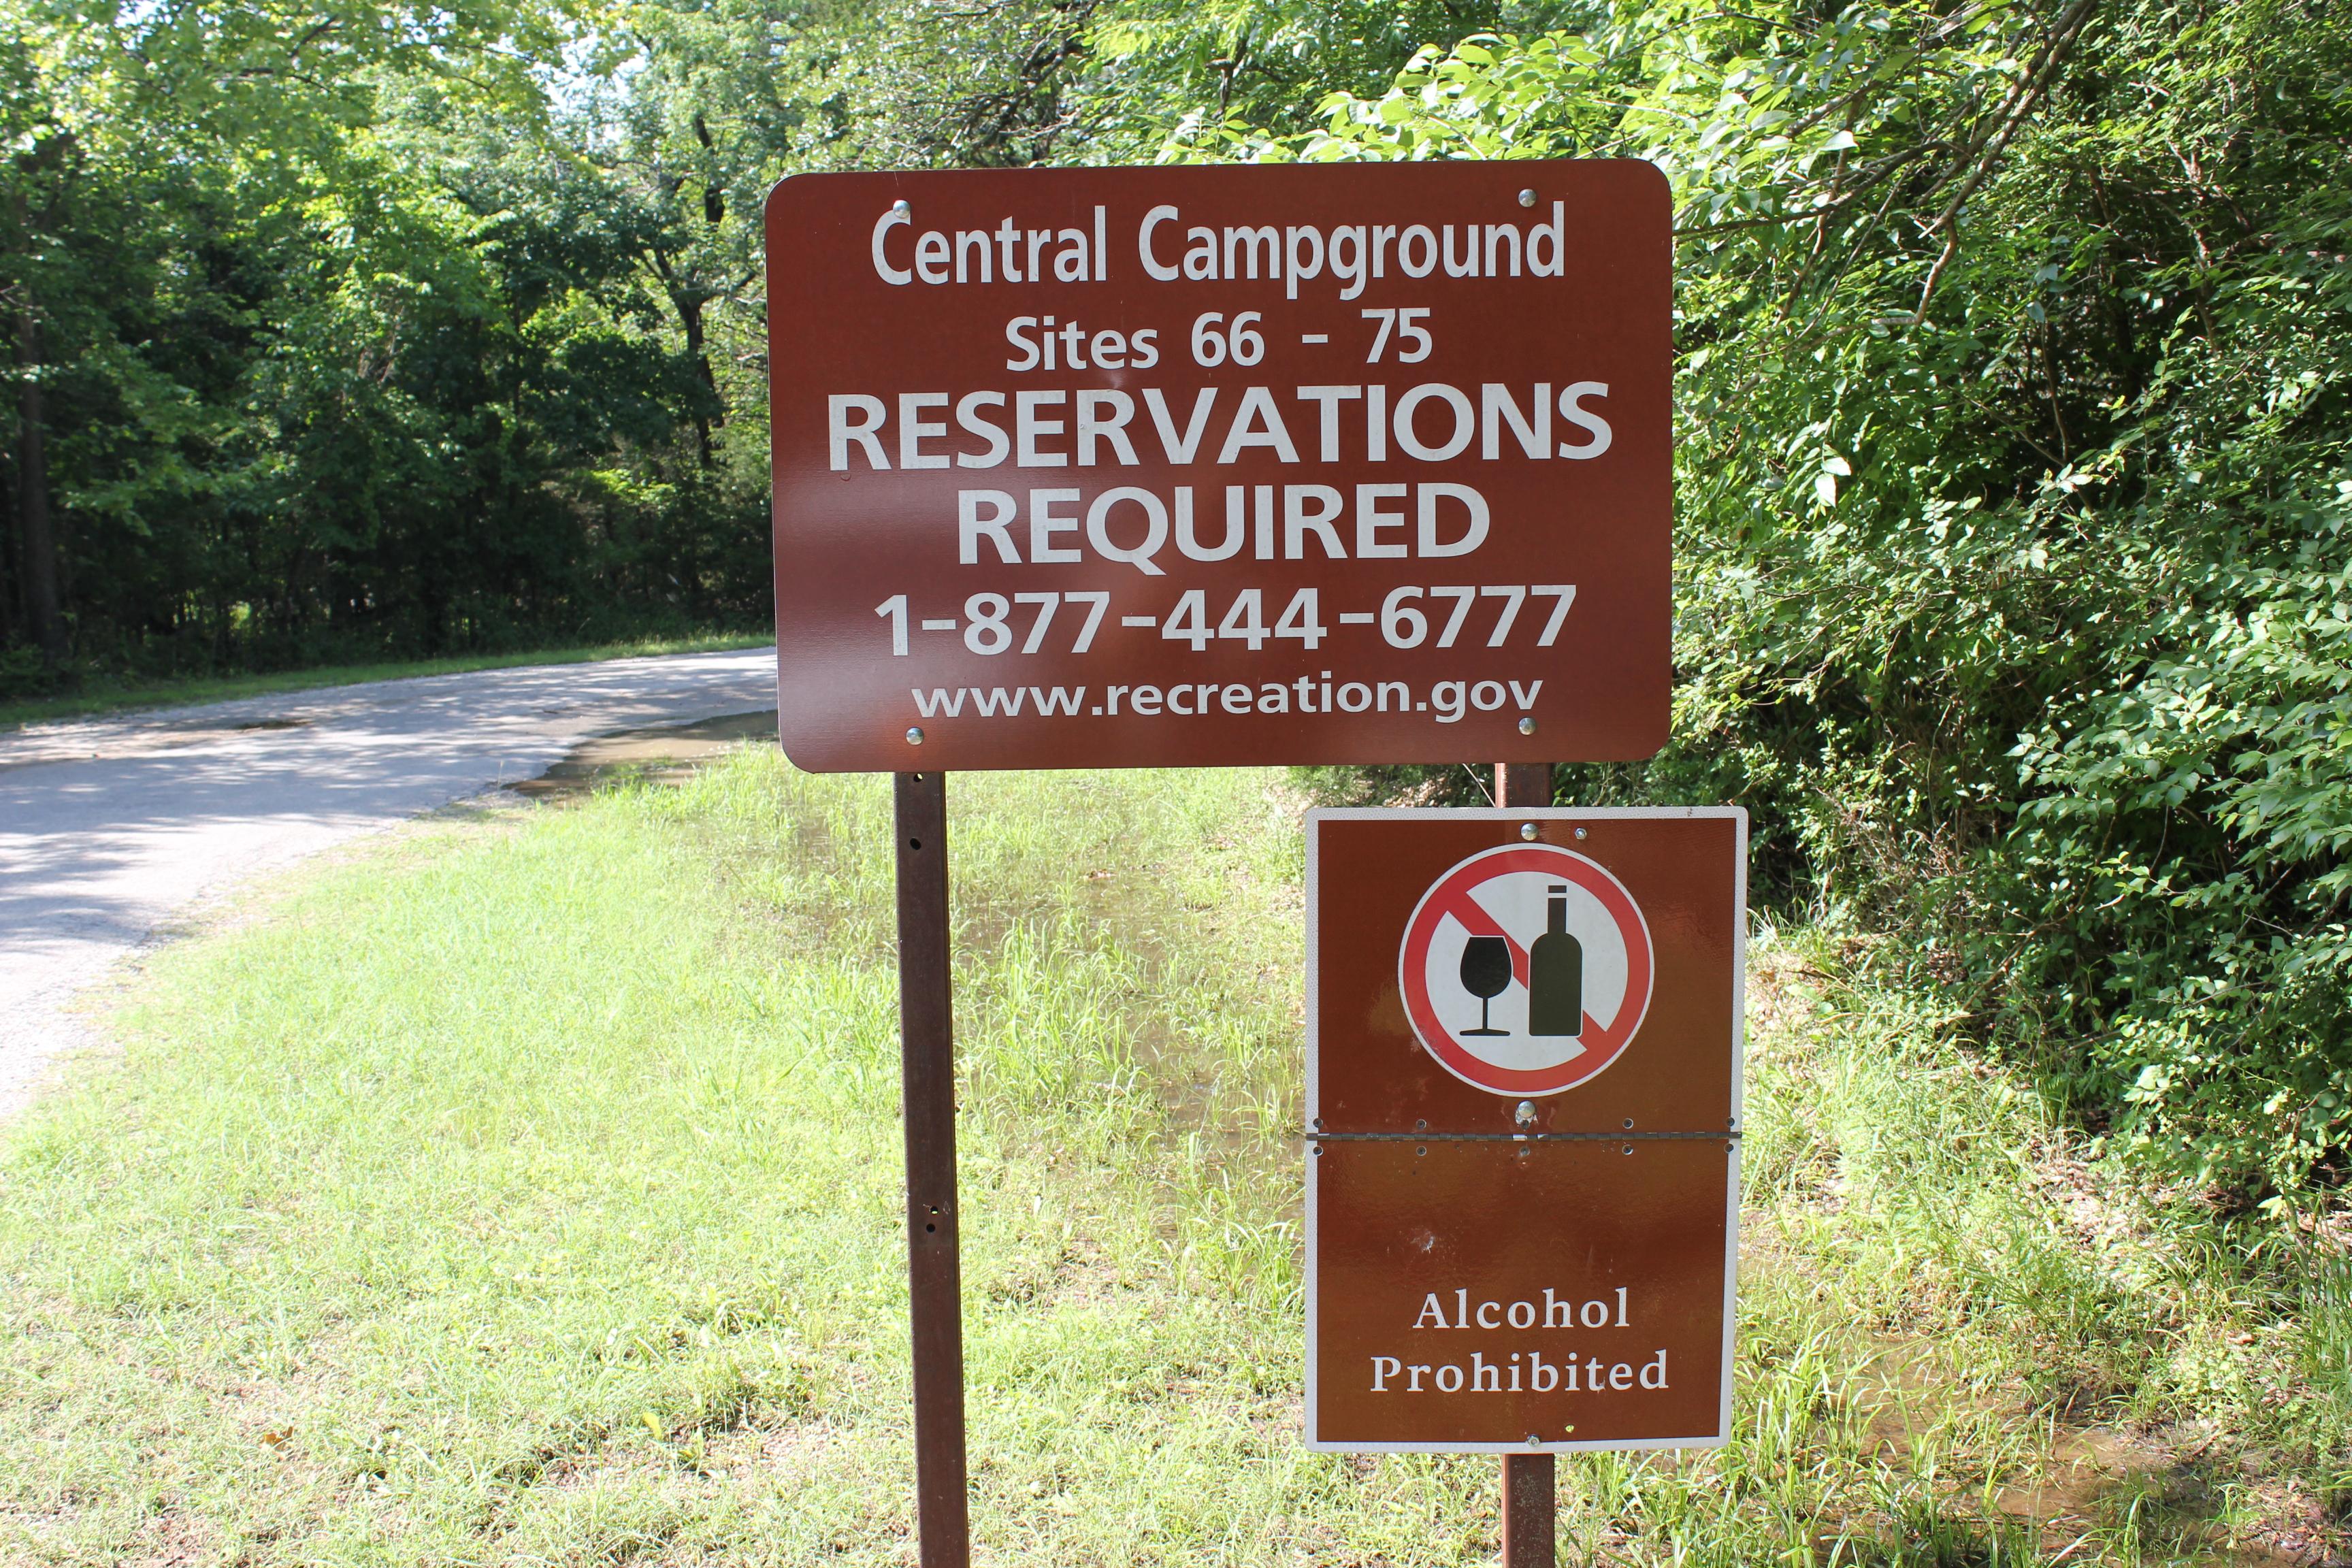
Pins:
x: 109, y: 826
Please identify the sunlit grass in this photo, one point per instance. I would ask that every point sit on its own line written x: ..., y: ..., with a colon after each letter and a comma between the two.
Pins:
x: 527, y: 1190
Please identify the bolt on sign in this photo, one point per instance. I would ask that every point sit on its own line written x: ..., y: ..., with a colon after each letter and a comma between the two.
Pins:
x: 1207, y: 465
x: 1524, y: 1036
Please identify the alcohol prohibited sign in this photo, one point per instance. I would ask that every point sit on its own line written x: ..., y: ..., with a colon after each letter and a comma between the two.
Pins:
x: 1523, y: 1143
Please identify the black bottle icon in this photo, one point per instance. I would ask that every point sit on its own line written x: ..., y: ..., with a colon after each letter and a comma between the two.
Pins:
x: 1556, y: 973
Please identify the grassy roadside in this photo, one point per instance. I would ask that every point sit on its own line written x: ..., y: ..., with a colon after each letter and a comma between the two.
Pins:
x: 107, y: 697
x: 525, y: 1190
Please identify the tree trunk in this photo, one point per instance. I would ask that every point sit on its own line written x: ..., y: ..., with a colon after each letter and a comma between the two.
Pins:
x: 689, y: 315
x: 10, y: 595
x: 43, y: 612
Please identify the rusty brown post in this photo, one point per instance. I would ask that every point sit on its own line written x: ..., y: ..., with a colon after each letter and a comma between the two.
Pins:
x: 1529, y: 1505
x: 934, y: 1269
x: 1528, y: 1510
x: 1522, y: 784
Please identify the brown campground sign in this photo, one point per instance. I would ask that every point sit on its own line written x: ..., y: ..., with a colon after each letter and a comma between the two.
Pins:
x: 1524, y: 1099
x: 1082, y: 468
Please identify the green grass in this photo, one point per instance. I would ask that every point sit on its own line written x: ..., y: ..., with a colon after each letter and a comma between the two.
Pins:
x: 525, y: 1190
x: 101, y: 695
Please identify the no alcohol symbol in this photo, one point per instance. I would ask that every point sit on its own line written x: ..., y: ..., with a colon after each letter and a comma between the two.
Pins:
x: 1525, y: 970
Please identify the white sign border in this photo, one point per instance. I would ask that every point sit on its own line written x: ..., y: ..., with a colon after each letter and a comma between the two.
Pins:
x: 1738, y: 816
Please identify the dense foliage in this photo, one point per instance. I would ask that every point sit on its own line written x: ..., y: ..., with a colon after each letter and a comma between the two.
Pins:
x: 2013, y: 589
x: 2014, y: 592
x: 374, y: 327
x: 334, y: 336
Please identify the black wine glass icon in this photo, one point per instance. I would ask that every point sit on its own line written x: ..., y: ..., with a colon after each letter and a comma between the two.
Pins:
x: 1485, y: 975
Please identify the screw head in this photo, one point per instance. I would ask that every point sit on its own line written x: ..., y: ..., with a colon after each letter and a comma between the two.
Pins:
x: 1527, y: 726
x: 902, y: 209
x: 1627, y: 1150
x: 1526, y: 199
x: 1526, y: 1114
x: 1533, y: 1439
x: 914, y: 735
x: 1527, y: 831
x: 1580, y: 833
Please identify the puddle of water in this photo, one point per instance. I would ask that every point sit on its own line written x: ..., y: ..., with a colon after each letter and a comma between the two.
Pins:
x: 2084, y: 1467
x: 668, y: 754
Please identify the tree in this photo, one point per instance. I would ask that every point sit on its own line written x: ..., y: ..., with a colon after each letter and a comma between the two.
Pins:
x: 2015, y: 491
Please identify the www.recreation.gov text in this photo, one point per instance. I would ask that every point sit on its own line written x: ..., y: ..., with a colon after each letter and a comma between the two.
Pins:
x: 1445, y: 702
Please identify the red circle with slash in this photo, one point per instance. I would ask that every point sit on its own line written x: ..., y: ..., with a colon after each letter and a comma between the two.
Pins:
x: 1504, y: 893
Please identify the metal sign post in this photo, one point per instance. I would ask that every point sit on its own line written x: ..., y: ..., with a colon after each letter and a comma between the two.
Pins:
x: 1530, y: 1494
x: 934, y: 1268
x: 1530, y: 1511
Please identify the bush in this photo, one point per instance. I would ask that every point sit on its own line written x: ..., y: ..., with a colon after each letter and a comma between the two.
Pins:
x: 2013, y: 589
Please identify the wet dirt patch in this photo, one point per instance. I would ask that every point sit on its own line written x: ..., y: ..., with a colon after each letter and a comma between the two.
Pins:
x: 665, y: 753
x: 2084, y: 1489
